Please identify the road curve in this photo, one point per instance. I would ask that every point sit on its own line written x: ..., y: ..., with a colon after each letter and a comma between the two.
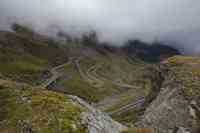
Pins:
x: 55, y: 75
x: 127, y: 107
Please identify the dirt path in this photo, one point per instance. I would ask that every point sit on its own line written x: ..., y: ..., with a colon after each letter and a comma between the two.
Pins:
x: 80, y: 70
x: 98, y: 81
x: 92, y: 72
x: 55, y: 74
x: 118, y: 100
x: 86, y: 76
x: 110, y: 100
x: 131, y: 106
x: 91, y: 76
x: 124, y: 85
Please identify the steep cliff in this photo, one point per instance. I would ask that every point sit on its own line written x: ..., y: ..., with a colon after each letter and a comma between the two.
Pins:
x: 176, y: 109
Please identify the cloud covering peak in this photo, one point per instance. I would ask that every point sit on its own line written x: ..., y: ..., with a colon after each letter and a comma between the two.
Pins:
x: 114, y: 20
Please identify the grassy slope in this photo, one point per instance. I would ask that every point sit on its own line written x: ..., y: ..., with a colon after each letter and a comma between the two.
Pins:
x: 186, y: 70
x: 24, y: 108
x: 112, y: 68
x: 20, y: 67
x: 75, y: 85
x: 23, y: 58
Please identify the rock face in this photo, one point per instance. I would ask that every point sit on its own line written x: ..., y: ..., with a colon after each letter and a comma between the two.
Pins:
x: 176, y: 108
x: 96, y: 121
x: 168, y: 113
x: 182, y: 130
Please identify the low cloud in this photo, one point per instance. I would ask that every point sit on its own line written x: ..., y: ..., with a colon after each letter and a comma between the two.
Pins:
x: 174, y: 21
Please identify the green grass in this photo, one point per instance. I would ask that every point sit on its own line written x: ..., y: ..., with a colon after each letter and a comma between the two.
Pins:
x: 24, y: 107
x: 126, y: 118
x: 126, y: 98
x: 20, y: 67
x: 23, y: 58
x: 76, y: 85
x: 79, y: 86
x: 25, y: 67
x: 186, y: 70
x: 112, y: 69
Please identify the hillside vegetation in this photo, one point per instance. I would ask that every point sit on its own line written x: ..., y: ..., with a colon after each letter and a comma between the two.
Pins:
x: 186, y: 71
x: 24, y: 57
x: 28, y: 109
x: 120, y: 81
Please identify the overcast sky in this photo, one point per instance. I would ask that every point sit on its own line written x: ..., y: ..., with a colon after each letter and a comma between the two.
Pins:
x: 175, y: 21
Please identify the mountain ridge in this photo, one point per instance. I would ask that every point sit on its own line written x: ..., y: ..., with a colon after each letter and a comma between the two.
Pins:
x: 123, y: 82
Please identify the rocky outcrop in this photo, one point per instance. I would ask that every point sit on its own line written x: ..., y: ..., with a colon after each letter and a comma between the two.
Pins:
x: 168, y: 113
x: 96, y: 121
x: 176, y: 108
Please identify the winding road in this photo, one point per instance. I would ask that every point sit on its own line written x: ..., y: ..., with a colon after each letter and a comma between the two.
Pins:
x: 92, y: 72
x: 55, y: 74
x: 136, y: 104
x: 97, y: 81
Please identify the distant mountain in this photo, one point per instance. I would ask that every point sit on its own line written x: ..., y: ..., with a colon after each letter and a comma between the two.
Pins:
x: 73, y: 80
x: 154, y: 52
x: 148, y: 52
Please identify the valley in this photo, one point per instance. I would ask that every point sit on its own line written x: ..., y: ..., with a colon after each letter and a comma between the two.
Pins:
x: 98, y: 88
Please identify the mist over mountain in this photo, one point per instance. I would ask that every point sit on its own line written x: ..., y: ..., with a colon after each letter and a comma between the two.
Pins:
x: 97, y: 66
x: 175, y: 22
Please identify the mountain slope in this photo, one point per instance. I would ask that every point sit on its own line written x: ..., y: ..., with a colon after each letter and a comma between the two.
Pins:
x: 118, y: 82
x: 24, y: 58
x: 177, y: 107
x: 28, y: 109
x: 155, y: 52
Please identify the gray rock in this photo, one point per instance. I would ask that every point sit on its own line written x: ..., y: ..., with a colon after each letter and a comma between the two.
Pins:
x: 182, y: 130
x: 168, y: 111
x: 97, y: 121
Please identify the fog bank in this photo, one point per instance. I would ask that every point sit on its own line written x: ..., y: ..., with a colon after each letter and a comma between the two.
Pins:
x: 116, y: 21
